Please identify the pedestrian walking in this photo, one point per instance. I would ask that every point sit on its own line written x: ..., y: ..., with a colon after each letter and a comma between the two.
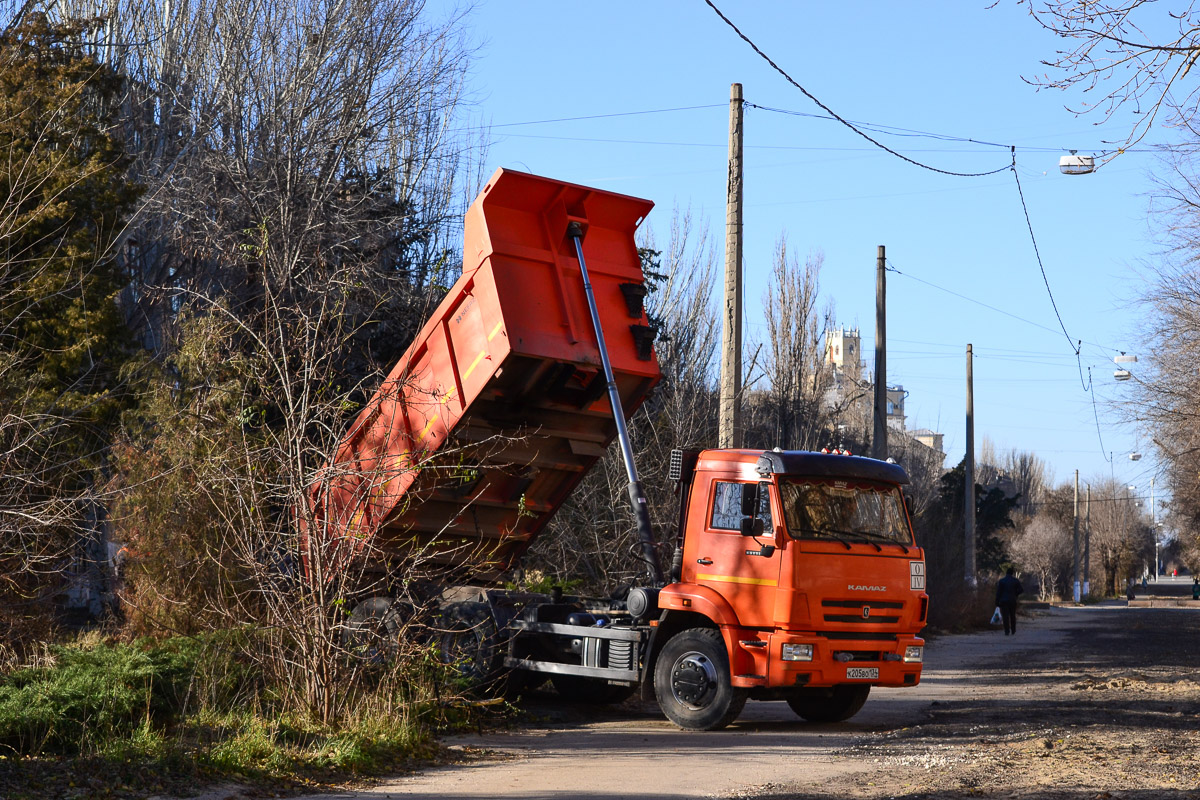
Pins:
x: 1007, y: 591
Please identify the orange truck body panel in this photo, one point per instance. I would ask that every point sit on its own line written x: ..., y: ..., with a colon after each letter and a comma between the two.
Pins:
x: 498, y: 408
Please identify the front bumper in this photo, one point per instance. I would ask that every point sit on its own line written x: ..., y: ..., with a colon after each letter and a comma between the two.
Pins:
x: 876, y: 662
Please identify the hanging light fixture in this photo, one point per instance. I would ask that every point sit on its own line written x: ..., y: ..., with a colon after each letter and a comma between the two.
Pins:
x: 1074, y: 164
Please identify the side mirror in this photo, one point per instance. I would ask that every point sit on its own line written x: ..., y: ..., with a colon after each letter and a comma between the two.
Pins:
x: 749, y: 499
x: 752, y: 526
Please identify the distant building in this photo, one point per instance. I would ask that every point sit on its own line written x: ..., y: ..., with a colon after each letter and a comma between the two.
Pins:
x: 851, y: 390
x: 843, y: 351
x: 928, y: 438
x: 895, y: 406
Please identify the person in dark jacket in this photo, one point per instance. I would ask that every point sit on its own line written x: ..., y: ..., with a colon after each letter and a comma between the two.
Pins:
x: 1007, y: 591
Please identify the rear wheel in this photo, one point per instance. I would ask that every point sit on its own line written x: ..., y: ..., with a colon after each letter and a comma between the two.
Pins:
x: 467, y: 641
x: 372, y: 633
x: 692, y: 681
x: 836, y: 704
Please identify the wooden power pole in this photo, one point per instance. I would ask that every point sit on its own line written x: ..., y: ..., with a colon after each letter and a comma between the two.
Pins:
x: 1075, y: 539
x: 1087, y: 541
x: 879, y: 437
x: 729, y: 432
x: 969, y: 488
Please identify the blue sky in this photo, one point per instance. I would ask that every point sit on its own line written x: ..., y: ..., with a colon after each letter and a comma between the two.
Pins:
x: 950, y: 68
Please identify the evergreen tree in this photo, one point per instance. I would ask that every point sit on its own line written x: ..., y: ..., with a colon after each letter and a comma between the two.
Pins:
x: 63, y: 343
x: 942, y: 525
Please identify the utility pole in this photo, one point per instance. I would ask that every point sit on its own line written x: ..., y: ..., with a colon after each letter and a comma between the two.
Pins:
x: 969, y: 461
x: 1154, y: 529
x: 729, y: 434
x: 1076, y: 539
x: 1087, y: 543
x: 879, y: 438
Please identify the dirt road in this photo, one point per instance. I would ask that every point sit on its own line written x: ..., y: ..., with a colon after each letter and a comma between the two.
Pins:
x: 1096, y: 702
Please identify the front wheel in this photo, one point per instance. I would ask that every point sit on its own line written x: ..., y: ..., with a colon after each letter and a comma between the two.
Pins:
x: 836, y: 704
x: 692, y: 682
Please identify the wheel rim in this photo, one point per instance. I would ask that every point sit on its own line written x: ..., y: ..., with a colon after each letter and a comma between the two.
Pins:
x: 693, y: 680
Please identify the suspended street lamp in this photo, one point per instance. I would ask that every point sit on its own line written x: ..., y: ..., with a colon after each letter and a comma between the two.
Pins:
x: 1123, y: 374
x: 1074, y: 164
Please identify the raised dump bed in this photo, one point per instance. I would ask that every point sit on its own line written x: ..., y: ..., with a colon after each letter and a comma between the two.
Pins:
x: 498, y: 408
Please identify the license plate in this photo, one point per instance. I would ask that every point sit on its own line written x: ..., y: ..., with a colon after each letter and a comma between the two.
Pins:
x: 862, y: 673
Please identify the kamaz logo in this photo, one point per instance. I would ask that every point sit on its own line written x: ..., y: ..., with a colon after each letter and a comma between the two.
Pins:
x: 854, y: 588
x: 866, y: 612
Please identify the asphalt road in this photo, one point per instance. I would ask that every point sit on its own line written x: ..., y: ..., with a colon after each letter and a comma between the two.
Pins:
x: 633, y: 752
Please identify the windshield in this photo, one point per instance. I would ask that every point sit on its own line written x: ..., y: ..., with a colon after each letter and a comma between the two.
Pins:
x: 817, y: 508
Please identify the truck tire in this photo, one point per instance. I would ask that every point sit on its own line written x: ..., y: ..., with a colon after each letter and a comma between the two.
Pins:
x: 836, y: 704
x: 590, y: 691
x: 692, y: 681
x: 467, y: 641
x: 372, y: 633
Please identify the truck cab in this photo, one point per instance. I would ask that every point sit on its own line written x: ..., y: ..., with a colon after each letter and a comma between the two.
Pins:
x: 805, y: 565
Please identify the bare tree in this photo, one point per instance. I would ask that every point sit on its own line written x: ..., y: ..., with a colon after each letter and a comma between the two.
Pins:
x: 1120, y: 536
x: 796, y: 375
x: 1165, y: 388
x: 1045, y: 550
x: 1131, y: 54
x: 683, y: 306
x: 1029, y: 475
x: 924, y: 466
x: 592, y: 537
x: 325, y: 130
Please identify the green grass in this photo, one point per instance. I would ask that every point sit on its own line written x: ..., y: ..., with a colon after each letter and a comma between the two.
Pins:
x: 91, y: 696
x: 158, y: 716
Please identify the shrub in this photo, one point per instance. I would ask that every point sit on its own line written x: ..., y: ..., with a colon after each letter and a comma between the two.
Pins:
x: 88, y: 697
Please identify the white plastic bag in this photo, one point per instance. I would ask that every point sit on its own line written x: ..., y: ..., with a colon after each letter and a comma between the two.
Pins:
x: 996, y: 618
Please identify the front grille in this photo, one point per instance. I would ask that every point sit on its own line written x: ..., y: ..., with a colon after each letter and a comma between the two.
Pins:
x: 864, y: 636
x: 862, y: 612
x: 851, y: 619
x: 857, y: 655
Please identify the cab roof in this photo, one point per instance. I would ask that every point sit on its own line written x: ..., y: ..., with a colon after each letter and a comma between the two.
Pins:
x: 806, y: 463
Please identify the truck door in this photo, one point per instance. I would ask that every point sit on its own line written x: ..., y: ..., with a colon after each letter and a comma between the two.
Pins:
x: 737, y: 553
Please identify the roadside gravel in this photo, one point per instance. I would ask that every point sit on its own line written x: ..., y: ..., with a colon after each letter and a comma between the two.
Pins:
x: 1111, y: 710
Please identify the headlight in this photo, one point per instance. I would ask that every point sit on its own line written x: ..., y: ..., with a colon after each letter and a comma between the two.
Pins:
x: 913, y: 654
x: 798, y: 652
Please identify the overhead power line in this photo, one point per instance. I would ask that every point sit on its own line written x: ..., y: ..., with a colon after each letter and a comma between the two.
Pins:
x: 1029, y: 224
x: 838, y: 117
x: 606, y: 116
x: 1075, y: 345
x: 891, y: 267
x: 893, y: 130
x: 1088, y: 386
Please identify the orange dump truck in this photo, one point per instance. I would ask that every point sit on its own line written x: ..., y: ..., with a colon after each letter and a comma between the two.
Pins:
x: 795, y: 575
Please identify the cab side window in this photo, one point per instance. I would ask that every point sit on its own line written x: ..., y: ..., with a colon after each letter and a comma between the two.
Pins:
x: 727, y: 505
